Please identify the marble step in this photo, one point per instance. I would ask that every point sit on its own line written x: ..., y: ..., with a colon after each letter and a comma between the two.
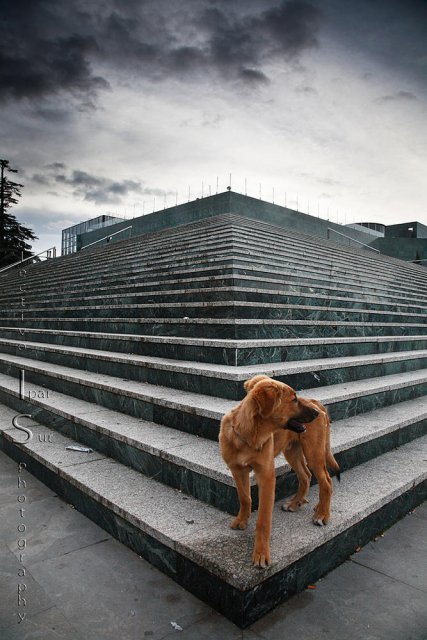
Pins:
x: 196, y: 413
x: 135, y: 246
x: 223, y: 328
x: 206, y: 295
x: 219, y: 268
x: 351, y: 255
x: 193, y: 464
x: 207, y: 239
x: 274, y: 237
x: 316, y: 251
x: 217, y: 351
x: 243, y: 285
x: 200, y: 256
x: 288, y: 243
x: 192, y: 542
x: 217, y: 309
x: 220, y: 260
x: 218, y: 380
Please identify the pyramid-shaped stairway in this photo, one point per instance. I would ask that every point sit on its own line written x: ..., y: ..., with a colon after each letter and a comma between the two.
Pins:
x: 138, y: 348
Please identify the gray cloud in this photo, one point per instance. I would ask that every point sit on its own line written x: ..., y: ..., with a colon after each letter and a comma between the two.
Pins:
x: 98, y: 189
x: 306, y: 90
x: 86, y: 186
x: 48, y: 47
x: 405, y: 96
x: 41, y: 53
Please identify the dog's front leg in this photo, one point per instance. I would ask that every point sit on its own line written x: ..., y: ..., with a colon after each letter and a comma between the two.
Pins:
x: 266, y: 480
x: 241, y: 478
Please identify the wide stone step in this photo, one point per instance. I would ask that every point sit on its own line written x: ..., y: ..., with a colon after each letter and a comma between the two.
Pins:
x: 242, y: 287
x: 216, y: 309
x: 207, y: 288
x: 197, y: 413
x: 192, y: 464
x: 217, y: 351
x: 215, y: 266
x: 242, y: 236
x: 219, y: 262
x: 206, y: 295
x: 290, y: 247
x: 218, y: 380
x: 192, y: 542
x: 206, y: 258
x: 224, y: 328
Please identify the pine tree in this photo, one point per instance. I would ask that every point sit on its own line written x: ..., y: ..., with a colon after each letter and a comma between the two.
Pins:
x: 13, y: 236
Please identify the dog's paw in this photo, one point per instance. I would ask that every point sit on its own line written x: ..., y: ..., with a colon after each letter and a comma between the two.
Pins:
x: 293, y: 505
x: 261, y: 558
x: 320, y: 518
x: 239, y: 524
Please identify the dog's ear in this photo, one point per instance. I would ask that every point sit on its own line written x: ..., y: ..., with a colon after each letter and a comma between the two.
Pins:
x: 249, y: 384
x: 267, y: 396
x: 243, y: 419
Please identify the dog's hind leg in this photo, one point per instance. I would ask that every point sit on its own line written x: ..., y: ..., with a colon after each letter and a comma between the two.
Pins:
x: 294, y: 455
x: 241, y: 478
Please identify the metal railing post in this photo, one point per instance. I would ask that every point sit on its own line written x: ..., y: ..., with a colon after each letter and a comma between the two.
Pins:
x: 36, y: 255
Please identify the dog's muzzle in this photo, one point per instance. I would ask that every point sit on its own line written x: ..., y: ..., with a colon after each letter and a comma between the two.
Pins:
x: 297, y: 425
x: 294, y: 425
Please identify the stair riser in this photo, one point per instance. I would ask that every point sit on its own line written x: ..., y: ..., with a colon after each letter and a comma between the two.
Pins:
x: 242, y: 608
x: 220, y: 294
x: 244, y: 265
x: 187, y: 281
x: 220, y: 355
x: 220, y: 330
x: 222, y: 242
x: 210, y: 490
x: 179, y: 418
x: 208, y: 385
x: 208, y: 311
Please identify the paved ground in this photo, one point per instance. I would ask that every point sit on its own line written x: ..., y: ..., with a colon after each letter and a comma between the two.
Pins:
x: 81, y: 584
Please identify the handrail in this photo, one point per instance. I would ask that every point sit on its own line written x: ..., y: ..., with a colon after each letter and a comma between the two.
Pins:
x: 48, y: 256
x: 350, y: 238
x: 110, y: 235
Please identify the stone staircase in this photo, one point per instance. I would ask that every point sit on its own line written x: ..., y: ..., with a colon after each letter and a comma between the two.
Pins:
x: 137, y: 349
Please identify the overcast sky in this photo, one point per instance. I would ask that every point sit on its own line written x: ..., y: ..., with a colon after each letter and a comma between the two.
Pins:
x: 107, y: 105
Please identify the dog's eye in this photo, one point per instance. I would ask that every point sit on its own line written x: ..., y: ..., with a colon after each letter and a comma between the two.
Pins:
x: 295, y: 399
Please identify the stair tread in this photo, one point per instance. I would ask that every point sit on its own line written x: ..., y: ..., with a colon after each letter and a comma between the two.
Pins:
x: 237, y: 373
x: 220, y: 342
x: 230, y: 304
x: 204, y: 405
x: 200, y: 454
x: 201, y: 533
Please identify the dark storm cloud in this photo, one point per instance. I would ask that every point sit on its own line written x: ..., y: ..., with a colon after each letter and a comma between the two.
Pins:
x: 405, y: 96
x: 98, y: 189
x: 389, y: 32
x: 41, y: 54
x: 49, y: 47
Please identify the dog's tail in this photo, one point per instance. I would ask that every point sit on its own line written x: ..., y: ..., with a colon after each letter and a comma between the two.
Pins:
x: 330, y: 460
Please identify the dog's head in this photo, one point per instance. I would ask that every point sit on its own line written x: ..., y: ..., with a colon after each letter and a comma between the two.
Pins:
x: 278, y: 402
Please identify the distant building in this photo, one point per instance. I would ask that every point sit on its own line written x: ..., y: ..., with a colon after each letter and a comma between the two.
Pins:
x: 373, y: 228
x: 406, y: 230
x: 69, y: 235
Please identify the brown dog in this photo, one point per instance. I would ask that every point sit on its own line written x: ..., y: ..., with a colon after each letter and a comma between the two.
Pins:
x: 269, y: 420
